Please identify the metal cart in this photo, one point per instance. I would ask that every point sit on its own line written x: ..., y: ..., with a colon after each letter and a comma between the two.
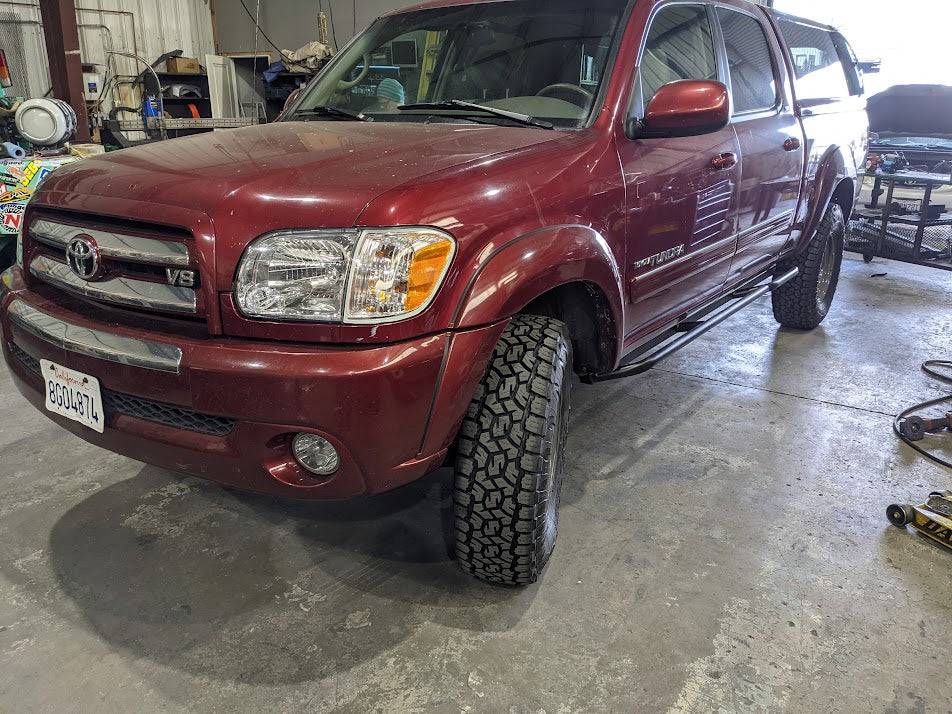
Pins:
x: 922, y: 236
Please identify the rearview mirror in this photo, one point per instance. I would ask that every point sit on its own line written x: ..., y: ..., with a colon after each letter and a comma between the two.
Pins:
x: 689, y: 107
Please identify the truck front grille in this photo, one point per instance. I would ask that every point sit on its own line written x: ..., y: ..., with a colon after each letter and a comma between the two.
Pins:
x: 125, y: 269
x: 146, y: 409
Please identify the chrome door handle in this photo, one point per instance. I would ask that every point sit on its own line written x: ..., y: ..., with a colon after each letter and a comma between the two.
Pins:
x: 791, y: 144
x: 725, y: 161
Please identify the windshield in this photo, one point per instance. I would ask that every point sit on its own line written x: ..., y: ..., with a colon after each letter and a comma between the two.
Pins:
x: 543, y: 60
x: 914, y: 142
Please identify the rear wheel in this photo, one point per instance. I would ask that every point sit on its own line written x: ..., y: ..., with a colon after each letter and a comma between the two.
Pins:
x: 805, y: 301
x: 510, y: 454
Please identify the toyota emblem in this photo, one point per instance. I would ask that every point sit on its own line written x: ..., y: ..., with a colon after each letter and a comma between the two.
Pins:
x: 82, y: 255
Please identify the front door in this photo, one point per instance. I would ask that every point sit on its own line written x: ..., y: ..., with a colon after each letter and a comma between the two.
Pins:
x: 770, y: 139
x: 680, y: 201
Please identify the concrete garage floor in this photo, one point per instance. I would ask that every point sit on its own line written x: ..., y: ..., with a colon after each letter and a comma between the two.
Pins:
x: 723, y: 546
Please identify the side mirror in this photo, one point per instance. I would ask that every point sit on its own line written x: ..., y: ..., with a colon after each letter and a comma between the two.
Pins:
x: 870, y: 66
x: 688, y: 107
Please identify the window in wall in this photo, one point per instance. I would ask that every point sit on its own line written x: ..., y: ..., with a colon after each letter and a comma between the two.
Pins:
x: 680, y: 45
x: 753, y: 83
x: 816, y: 61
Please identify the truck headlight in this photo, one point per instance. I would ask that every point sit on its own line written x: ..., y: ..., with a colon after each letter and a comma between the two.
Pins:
x: 351, y: 276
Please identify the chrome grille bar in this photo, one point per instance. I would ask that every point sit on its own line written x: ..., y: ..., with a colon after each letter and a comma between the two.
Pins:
x: 113, y: 245
x: 94, y: 343
x: 120, y: 291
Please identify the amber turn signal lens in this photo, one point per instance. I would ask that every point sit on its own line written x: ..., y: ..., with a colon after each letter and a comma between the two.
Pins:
x: 426, y: 270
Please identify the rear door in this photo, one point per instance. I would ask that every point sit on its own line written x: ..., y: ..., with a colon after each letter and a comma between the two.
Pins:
x: 680, y: 206
x: 769, y: 135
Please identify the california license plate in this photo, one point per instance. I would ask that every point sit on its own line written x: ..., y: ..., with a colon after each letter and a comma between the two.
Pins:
x: 73, y: 395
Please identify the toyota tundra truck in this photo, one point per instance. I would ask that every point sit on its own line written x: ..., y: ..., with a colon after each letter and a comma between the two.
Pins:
x: 475, y: 206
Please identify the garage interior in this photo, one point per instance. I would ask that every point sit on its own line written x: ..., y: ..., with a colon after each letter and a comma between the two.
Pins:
x: 723, y: 537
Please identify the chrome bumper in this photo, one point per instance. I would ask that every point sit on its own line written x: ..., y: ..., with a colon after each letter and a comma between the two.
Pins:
x: 95, y: 343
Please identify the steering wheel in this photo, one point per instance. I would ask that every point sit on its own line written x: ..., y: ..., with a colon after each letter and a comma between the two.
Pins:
x: 342, y: 84
x: 586, y: 95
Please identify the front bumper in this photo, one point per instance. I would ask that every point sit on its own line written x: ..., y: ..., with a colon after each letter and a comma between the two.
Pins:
x: 227, y: 409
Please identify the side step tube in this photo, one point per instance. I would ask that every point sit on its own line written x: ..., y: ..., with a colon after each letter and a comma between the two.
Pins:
x: 743, y: 298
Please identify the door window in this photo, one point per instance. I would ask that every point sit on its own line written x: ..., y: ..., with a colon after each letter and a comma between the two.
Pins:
x: 680, y: 45
x: 750, y: 61
x: 817, y: 62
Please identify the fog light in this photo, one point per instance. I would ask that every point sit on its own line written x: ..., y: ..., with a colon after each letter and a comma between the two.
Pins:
x: 315, y: 454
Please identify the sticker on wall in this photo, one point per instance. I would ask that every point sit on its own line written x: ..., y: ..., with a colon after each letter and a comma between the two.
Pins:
x: 13, y: 217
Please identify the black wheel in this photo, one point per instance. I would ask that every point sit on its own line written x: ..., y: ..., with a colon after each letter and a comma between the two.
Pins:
x: 805, y: 301
x: 8, y: 254
x: 510, y: 455
x: 868, y: 257
x: 899, y: 515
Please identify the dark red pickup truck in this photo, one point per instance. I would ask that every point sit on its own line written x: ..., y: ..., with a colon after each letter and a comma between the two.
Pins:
x: 475, y: 202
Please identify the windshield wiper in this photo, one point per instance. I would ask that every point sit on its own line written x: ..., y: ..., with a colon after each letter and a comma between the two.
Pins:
x: 456, y: 104
x: 324, y: 110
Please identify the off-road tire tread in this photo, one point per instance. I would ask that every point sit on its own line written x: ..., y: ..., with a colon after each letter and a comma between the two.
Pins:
x: 795, y: 304
x: 505, y: 441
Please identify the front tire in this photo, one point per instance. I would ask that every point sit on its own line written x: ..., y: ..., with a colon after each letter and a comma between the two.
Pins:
x: 510, y: 455
x: 805, y: 301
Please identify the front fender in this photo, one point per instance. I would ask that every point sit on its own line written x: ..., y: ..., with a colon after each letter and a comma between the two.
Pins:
x: 832, y: 168
x: 525, y: 268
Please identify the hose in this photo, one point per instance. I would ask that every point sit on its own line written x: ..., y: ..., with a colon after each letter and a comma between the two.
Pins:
x: 931, y: 368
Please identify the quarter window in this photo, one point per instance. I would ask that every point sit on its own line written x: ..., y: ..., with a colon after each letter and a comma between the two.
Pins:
x: 680, y: 45
x: 753, y: 83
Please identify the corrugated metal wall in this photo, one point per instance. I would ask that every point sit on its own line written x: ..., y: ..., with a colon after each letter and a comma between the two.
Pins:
x: 146, y: 27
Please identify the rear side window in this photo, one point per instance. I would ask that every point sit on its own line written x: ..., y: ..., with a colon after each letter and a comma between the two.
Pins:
x: 680, y: 45
x: 750, y: 61
x: 818, y: 62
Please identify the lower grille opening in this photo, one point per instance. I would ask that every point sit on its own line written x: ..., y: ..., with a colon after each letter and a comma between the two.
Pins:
x: 146, y: 409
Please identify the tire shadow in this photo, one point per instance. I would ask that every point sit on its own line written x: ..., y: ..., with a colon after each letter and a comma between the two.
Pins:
x: 246, y: 588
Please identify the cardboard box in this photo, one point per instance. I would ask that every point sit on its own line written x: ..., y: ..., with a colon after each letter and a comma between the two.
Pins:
x: 183, y: 65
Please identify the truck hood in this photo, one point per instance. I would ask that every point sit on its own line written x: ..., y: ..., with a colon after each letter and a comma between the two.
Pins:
x: 288, y: 174
x: 912, y: 110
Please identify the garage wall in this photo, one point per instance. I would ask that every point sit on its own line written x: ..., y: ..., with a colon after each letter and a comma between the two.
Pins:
x: 293, y: 23
x: 146, y: 27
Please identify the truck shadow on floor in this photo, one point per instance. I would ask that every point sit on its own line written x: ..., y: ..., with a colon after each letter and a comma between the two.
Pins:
x: 246, y: 588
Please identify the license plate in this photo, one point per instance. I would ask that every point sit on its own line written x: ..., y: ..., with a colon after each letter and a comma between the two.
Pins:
x: 73, y: 395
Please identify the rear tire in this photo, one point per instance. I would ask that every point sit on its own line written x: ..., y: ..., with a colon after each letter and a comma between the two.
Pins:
x: 805, y: 301
x: 510, y: 455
